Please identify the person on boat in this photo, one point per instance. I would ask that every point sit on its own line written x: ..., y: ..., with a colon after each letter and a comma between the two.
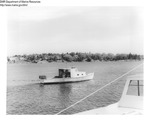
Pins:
x: 67, y: 73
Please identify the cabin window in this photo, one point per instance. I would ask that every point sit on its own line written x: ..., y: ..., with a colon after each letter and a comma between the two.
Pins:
x: 135, y: 88
x: 67, y: 73
x: 64, y: 73
x: 77, y: 74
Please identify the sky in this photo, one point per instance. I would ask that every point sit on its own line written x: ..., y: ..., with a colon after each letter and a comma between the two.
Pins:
x: 62, y: 29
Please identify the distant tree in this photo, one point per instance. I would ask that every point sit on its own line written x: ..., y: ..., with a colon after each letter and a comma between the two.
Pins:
x: 67, y: 57
x: 81, y: 56
x: 56, y: 57
x: 110, y: 57
x: 130, y: 56
x: 72, y: 54
x: 75, y: 58
x: 104, y: 56
x: 98, y: 56
x: 88, y: 59
x: 93, y: 57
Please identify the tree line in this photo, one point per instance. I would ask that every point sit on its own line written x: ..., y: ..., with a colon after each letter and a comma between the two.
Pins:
x: 76, y: 57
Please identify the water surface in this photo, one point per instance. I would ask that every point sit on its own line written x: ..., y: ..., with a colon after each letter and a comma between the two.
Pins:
x: 26, y: 96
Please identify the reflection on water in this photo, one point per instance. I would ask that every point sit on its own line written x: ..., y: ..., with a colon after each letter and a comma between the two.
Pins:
x: 26, y: 96
x: 64, y: 94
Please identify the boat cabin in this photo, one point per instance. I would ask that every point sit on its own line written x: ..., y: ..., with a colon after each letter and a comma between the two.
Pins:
x: 132, y: 96
x: 70, y: 73
x: 131, y: 101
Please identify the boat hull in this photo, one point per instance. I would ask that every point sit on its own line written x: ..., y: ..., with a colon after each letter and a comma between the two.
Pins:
x: 68, y: 80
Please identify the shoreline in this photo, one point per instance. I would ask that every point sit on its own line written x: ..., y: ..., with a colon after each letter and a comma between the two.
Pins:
x: 46, y: 62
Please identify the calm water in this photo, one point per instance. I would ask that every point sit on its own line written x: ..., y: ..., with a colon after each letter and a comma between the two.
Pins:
x: 26, y: 96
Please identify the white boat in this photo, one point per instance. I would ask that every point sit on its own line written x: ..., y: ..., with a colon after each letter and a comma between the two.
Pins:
x: 131, y: 102
x: 67, y: 75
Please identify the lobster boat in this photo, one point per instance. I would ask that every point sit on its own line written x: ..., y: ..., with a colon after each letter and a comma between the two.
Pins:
x: 67, y: 75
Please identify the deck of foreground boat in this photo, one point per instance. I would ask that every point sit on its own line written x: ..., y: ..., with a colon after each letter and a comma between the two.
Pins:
x: 131, y: 101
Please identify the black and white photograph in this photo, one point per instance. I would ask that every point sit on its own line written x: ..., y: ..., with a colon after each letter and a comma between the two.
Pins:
x: 75, y: 60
